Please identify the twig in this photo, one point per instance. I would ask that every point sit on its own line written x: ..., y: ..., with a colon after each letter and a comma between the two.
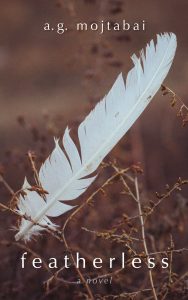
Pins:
x: 144, y: 237
x: 183, y: 110
x: 7, y: 186
x: 111, y: 235
x: 124, y: 294
x: 176, y: 187
x: 170, y: 281
x: 77, y: 269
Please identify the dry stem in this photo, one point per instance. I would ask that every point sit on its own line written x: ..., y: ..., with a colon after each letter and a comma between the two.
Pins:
x: 144, y: 237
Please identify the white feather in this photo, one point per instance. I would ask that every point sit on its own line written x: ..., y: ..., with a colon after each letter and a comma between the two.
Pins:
x: 67, y: 176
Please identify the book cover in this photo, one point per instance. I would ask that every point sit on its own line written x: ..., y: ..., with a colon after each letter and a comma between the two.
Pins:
x: 93, y: 143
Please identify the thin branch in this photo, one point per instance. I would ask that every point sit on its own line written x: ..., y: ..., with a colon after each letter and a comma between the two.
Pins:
x: 144, y: 237
x: 170, y: 281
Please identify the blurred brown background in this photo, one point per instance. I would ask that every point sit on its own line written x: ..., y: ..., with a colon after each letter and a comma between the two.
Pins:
x: 46, y: 73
